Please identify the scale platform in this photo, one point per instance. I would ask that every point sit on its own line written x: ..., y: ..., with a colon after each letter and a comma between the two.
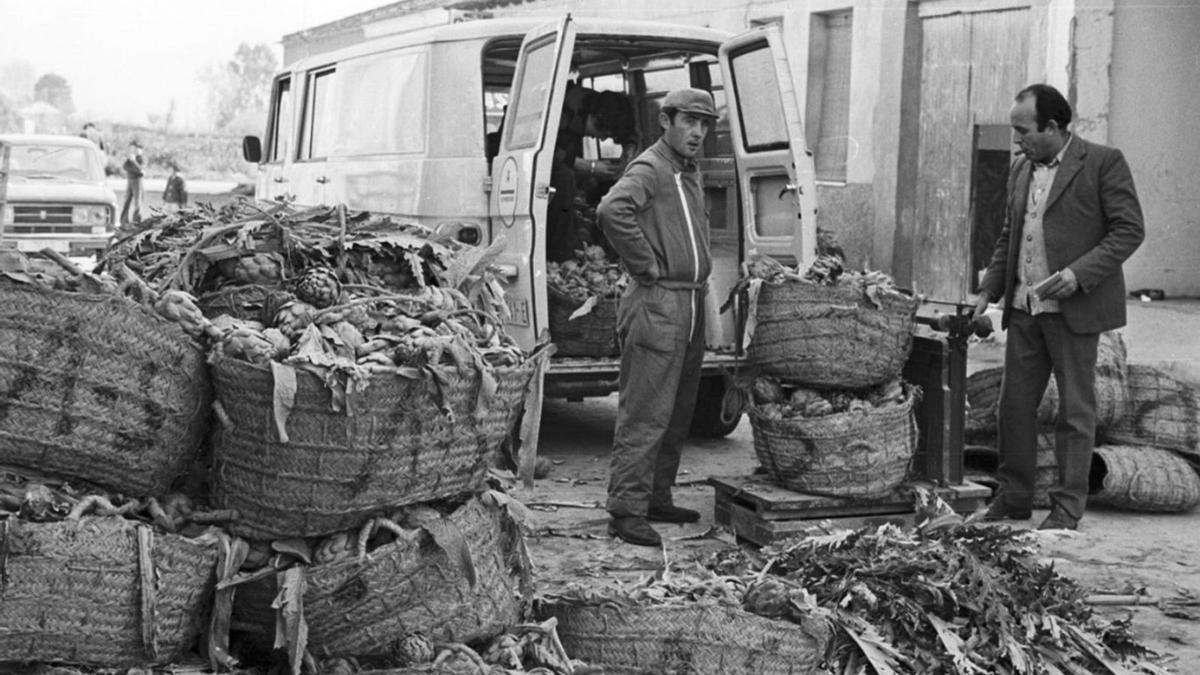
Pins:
x: 762, y: 513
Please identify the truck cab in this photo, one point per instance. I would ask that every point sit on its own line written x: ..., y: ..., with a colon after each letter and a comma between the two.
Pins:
x: 454, y: 127
x: 53, y: 195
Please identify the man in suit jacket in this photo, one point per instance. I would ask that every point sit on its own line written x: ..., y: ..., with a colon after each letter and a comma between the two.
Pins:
x: 1072, y: 219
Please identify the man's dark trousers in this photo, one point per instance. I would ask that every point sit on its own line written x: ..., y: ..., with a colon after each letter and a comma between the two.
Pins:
x: 660, y: 375
x: 1037, y: 347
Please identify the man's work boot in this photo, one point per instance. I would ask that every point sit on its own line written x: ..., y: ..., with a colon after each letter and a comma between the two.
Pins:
x: 634, y: 530
x: 999, y: 510
x: 1059, y: 520
x: 670, y: 513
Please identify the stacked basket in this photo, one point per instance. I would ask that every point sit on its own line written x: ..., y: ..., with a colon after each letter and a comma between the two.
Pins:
x: 394, y: 441
x: 830, y: 414
x: 99, y: 395
x: 361, y: 397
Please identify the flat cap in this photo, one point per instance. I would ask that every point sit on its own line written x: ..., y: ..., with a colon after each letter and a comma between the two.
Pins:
x: 694, y: 101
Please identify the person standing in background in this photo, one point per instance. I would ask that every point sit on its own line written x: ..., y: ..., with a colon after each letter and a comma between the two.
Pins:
x: 654, y: 217
x: 175, y: 194
x: 93, y: 134
x: 1073, y: 218
x: 134, y: 166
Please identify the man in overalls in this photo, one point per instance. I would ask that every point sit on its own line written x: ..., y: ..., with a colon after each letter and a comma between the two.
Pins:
x: 655, y: 219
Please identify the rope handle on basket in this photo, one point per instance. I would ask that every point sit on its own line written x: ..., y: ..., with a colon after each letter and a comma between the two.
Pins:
x: 450, y: 651
x: 148, y: 587
x: 102, y: 507
x: 446, y: 535
x: 372, y: 526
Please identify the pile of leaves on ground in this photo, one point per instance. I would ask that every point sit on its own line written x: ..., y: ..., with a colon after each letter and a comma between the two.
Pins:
x: 947, y: 596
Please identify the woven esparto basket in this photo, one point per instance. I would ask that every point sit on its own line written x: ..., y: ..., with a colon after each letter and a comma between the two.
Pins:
x: 693, y: 638
x: 851, y: 454
x: 831, y: 336
x: 362, y: 607
x: 1163, y: 412
x: 394, y: 445
x: 1112, y: 395
x: 102, y: 591
x: 593, y: 334
x: 99, y: 388
x: 983, y: 397
x: 1143, y: 479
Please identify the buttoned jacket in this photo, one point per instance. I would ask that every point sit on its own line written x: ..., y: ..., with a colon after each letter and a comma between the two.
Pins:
x: 1092, y: 224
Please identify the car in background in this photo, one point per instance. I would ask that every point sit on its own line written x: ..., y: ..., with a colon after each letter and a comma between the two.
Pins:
x: 55, y: 195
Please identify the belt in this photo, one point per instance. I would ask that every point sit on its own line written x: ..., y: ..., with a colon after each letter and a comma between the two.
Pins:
x: 672, y: 285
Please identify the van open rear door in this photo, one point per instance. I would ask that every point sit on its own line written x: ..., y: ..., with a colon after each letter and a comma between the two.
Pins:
x: 776, y: 178
x: 521, y: 191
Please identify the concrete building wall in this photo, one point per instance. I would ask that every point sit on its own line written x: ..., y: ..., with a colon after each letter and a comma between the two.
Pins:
x: 1152, y: 119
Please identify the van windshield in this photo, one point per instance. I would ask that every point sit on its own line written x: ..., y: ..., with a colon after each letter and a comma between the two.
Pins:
x: 46, y: 161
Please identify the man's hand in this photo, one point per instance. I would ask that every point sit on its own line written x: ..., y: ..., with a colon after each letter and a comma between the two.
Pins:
x: 981, y: 305
x: 1062, y: 285
x: 605, y: 170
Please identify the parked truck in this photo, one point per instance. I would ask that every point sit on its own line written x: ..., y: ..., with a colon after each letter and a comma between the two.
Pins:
x: 400, y: 124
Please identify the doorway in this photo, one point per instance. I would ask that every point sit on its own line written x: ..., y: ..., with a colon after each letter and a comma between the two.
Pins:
x: 970, y: 66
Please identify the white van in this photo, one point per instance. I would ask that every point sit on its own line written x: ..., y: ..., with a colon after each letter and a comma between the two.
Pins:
x: 400, y: 124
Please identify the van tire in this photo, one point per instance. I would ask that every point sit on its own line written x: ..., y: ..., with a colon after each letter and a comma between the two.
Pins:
x: 710, y: 399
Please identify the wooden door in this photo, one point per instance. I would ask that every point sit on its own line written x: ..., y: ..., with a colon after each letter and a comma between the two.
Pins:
x: 972, y: 64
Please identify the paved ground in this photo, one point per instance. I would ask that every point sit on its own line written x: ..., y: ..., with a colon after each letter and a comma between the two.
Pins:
x: 1114, y: 551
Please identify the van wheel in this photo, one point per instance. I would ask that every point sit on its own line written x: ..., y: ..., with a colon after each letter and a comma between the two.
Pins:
x: 707, y: 419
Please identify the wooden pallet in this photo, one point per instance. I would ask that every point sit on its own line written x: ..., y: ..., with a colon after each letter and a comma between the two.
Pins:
x: 763, y: 513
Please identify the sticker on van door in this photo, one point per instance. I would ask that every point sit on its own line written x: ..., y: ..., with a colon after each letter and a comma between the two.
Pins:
x: 510, y: 177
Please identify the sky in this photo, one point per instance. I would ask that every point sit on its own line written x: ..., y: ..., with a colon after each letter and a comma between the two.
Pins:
x: 128, y: 59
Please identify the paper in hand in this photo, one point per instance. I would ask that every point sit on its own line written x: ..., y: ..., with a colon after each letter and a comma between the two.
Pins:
x: 1040, y: 289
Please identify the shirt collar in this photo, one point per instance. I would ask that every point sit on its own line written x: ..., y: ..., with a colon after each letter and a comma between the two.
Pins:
x: 1057, y: 158
x: 677, y: 160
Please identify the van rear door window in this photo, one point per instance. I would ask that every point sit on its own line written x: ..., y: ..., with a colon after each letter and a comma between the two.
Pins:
x: 754, y: 80
x: 318, y: 115
x: 382, y: 106
x: 525, y: 128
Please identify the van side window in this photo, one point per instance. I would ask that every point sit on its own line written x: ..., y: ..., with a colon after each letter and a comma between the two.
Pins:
x: 382, y: 106
x: 281, y: 134
x: 317, y: 137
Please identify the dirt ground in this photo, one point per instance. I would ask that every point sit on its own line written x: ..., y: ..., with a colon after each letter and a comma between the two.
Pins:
x: 1153, y: 555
